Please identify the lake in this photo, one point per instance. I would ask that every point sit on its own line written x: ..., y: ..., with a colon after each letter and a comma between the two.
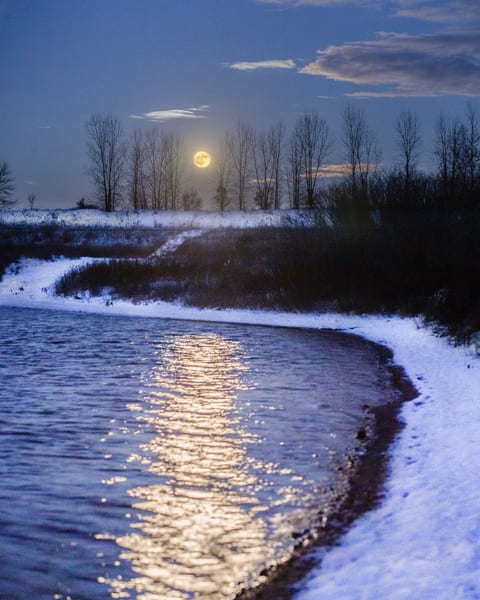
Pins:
x: 158, y: 459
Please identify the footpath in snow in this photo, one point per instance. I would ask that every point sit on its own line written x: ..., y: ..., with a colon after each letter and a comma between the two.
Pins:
x: 423, y: 540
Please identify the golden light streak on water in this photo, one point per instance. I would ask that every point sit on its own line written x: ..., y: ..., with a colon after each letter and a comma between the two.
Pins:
x: 200, y: 534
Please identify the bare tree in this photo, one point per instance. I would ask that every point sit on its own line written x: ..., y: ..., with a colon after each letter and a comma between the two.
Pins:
x: 370, y: 161
x: 154, y: 168
x: 311, y: 144
x: 452, y: 156
x: 223, y: 167
x: 262, y: 161
x: 163, y: 169
x: 173, y: 170
x: 361, y: 152
x: 31, y: 200
x: 276, y: 142
x: 240, y: 142
x: 354, y: 128
x: 442, y: 150
x: 473, y: 148
x: 6, y: 185
x: 106, y: 151
x: 136, y: 171
x: 295, y: 169
x: 266, y: 153
x: 408, y: 140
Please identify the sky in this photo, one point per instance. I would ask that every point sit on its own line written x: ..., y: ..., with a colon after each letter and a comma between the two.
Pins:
x: 197, y: 68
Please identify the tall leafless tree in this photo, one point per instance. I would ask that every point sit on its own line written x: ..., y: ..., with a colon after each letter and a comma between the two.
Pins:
x: 154, y: 169
x: 173, y: 170
x: 240, y: 142
x: 310, y: 145
x: 262, y: 162
x: 106, y: 151
x: 276, y: 142
x: 223, y: 168
x: 473, y: 147
x: 267, y: 150
x: 163, y: 160
x: 294, y: 174
x: 407, y: 131
x: 361, y: 152
x: 6, y: 185
x: 136, y: 171
x: 442, y: 150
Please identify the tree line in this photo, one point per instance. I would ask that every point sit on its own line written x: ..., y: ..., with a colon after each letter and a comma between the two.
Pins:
x: 270, y: 169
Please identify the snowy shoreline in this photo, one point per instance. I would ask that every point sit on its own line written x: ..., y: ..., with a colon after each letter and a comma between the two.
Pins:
x: 423, y: 540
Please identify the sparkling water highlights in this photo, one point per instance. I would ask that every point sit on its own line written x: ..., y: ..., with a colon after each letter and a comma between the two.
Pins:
x: 159, y: 459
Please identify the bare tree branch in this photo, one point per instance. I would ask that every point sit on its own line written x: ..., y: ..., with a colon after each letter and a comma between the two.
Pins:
x: 6, y: 185
x: 106, y: 151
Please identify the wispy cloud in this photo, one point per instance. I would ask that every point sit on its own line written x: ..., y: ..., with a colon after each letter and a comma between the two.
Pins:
x: 448, y: 11
x: 459, y: 11
x: 263, y: 64
x: 321, y: 3
x: 406, y: 65
x: 160, y: 116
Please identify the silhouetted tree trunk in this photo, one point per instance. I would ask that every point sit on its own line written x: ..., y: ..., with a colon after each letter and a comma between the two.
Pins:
x: 223, y: 168
x: 263, y: 165
x: 136, y: 179
x: 315, y: 142
x: 240, y: 147
x: 6, y: 185
x: 473, y: 149
x: 442, y: 152
x: 173, y: 170
x: 408, y: 141
x: 295, y: 170
x: 362, y: 155
x: 154, y: 169
x: 106, y: 151
x: 267, y: 152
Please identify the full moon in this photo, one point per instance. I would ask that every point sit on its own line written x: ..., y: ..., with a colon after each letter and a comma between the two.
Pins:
x: 202, y: 159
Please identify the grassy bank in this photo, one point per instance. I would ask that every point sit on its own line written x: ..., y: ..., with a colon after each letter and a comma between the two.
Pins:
x: 425, y: 262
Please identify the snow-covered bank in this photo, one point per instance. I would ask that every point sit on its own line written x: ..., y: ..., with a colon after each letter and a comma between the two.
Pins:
x: 423, y: 541
x: 165, y: 218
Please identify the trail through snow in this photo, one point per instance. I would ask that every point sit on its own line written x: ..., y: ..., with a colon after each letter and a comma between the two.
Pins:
x: 176, y: 241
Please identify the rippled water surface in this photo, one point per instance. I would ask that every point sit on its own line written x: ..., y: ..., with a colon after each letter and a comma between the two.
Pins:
x: 152, y: 459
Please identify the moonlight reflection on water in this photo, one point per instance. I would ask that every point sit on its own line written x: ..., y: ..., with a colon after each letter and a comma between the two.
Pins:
x: 198, y: 533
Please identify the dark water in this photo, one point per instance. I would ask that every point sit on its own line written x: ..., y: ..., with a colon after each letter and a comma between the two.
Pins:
x: 157, y: 459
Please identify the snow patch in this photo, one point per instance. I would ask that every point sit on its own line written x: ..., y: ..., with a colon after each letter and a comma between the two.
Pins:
x: 164, y: 218
x: 175, y: 242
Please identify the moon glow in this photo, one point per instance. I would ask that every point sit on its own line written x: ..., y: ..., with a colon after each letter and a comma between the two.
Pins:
x: 202, y: 159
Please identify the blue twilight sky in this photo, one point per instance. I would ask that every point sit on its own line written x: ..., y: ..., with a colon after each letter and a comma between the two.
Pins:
x: 198, y: 66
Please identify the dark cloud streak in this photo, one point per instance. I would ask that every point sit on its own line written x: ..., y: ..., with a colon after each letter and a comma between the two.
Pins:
x: 425, y: 65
